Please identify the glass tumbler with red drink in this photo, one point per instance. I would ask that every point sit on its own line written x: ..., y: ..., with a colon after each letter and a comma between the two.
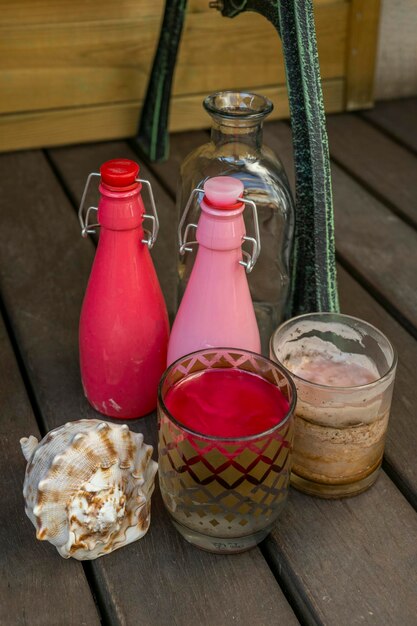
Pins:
x: 225, y: 420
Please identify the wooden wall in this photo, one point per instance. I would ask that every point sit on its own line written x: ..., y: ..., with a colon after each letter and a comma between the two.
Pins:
x: 77, y: 71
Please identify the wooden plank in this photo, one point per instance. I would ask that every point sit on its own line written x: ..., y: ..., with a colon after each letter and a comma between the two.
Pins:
x: 70, y: 63
x: 381, y: 165
x: 159, y: 579
x: 246, y: 52
x: 377, y: 245
x: 33, y: 577
x: 400, y: 457
x: 385, y: 261
x: 361, y: 53
x: 351, y: 561
x: 397, y: 118
x: 29, y: 12
x: 22, y: 12
x: 67, y: 64
x: 115, y: 121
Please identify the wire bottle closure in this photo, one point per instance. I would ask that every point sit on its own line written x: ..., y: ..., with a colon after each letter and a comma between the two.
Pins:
x: 185, y: 245
x: 89, y: 229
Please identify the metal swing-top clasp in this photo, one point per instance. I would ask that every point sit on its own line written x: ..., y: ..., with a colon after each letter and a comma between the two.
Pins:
x: 185, y: 245
x: 89, y: 229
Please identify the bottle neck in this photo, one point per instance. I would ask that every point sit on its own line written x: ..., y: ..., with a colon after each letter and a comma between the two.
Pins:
x: 120, y: 210
x: 220, y: 230
x: 236, y: 132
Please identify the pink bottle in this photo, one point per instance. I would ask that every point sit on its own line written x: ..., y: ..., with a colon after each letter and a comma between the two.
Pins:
x: 217, y: 309
x: 124, y: 323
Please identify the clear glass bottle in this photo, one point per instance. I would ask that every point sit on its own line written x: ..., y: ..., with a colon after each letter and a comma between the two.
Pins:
x: 236, y: 149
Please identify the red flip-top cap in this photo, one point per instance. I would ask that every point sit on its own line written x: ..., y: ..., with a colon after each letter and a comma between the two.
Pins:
x: 119, y: 173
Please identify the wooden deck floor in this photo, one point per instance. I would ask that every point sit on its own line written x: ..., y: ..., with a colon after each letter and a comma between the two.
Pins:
x: 335, y: 563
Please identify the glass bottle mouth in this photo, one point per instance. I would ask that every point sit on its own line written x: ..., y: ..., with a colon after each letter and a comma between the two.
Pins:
x: 238, y: 106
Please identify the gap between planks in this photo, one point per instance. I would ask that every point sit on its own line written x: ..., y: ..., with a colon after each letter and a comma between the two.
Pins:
x: 397, y: 120
x: 86, y: 565
x: 34, y: 573
x: 380, y: 164
x: 370, y: 259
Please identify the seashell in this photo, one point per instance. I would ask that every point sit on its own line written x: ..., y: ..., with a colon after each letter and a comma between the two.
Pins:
x: 88, y: 486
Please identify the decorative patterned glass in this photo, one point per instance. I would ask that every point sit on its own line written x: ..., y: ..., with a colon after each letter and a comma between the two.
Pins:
x: 224, y: 494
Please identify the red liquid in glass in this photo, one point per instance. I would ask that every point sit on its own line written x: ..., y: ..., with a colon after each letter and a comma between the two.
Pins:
x: 226, y: 403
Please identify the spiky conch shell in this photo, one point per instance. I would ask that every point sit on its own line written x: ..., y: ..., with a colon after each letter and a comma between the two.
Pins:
x: 88, y: 486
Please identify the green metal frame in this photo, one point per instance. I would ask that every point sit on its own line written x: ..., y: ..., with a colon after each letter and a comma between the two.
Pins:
x: 314, y: 284
x: 152, y: 138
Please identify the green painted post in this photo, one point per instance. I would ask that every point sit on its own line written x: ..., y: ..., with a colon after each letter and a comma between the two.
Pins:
x: 152, y: 139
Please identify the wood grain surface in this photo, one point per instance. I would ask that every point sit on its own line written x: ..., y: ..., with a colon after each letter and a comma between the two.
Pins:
x: 22, y: 12
x: 80, y: 74
x: 397, y: 118
x: 351, y: 561
x: 100, y: 61
x: 380, y: 165
x: 33, y: 577
x: 376, y: 244
x: 399, y: 458
x: 120, y: 120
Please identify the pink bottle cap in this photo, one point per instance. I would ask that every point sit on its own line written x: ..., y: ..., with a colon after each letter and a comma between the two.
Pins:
x: 223, y: 192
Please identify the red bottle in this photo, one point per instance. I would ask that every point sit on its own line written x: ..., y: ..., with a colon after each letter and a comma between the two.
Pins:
x: 124, y: 323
